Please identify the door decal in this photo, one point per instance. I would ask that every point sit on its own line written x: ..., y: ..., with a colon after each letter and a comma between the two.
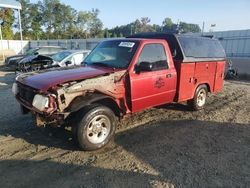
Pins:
x: 159, y: 82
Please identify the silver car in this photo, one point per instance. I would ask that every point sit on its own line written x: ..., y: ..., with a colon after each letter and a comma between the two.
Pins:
x: 61, y: 59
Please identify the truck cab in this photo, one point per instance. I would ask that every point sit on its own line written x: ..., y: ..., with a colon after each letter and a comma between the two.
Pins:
x: 121, y: 77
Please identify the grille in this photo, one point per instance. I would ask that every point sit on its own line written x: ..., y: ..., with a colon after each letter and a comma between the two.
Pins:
x: 26, y: 93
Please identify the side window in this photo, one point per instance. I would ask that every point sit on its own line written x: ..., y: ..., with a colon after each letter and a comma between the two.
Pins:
x: 154, y: 53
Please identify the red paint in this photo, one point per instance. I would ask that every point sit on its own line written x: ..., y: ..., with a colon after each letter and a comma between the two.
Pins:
x: 53, y: 77
x: 219, y: 77
x: 144, y: 90
x: 186, y: 77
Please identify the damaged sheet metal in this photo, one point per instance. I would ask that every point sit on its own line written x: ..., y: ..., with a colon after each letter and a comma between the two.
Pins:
x: 111, y: 85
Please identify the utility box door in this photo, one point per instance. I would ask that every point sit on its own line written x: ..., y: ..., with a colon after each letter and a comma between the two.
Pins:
x: 219, y: 76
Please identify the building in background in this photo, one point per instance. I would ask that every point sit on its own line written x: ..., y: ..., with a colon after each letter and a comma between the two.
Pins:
x: 236, y: 43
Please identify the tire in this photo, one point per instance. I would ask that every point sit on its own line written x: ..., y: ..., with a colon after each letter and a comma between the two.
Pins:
x: 95, y: 128
x: 200, y: 98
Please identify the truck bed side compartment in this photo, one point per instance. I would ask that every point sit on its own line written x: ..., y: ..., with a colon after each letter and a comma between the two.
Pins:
x: 219, y: 77
x: 205, y: 74
x: 185, y: 81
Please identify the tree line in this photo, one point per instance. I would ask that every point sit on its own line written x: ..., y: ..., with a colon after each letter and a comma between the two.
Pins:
x: 51, y: 19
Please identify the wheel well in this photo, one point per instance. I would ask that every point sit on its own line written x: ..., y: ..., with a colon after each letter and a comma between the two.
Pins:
x: 110, y: 103
x: 80, y: 103
x: 205, y: 84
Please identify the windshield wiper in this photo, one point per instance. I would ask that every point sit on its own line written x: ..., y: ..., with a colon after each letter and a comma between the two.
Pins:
x: 101, y: 64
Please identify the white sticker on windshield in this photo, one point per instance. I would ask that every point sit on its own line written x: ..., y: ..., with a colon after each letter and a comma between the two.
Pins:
x: 127, y: 44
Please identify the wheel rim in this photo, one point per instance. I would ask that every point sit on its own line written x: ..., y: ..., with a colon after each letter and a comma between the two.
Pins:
x: 98, y: 129
x: 201, y: 97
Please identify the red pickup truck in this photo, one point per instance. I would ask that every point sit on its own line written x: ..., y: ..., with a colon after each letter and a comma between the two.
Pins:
x: 121, y: 77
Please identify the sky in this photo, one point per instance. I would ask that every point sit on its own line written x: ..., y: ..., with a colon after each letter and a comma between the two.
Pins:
x: 226, y: 14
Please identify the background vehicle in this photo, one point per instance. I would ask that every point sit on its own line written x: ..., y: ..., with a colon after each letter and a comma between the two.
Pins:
x: 122, y: 77
x: 231, y: 72
x: 60, y: 59
x: 43, y: 50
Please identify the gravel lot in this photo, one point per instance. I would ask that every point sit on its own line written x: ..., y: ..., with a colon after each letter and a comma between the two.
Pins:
x: 168, y: 146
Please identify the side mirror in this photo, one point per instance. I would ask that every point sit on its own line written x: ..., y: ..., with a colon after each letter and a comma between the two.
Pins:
x: 144, y: 67
x: 67, y: 63
x: 36, y: 53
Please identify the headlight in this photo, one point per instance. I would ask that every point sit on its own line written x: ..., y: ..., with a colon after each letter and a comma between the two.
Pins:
x: 40, y: 102
x: 15, y: 89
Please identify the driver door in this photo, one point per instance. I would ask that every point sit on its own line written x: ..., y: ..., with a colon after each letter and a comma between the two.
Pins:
x: 155, y: 87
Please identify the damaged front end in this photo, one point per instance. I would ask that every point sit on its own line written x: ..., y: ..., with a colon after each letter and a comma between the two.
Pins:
x: 34, y: 63
x: 54, y: 106
x: 43, y: 106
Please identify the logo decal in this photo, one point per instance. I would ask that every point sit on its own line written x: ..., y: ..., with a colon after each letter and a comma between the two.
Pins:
x: 159, y: 82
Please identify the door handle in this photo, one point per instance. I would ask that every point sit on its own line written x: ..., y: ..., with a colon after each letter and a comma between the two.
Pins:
x: 168, y: 75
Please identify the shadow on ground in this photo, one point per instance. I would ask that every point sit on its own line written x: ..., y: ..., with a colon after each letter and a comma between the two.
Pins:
x: 25, y: 173
x: 193, y: 153
x: 186, y: 153
x: 6, y: 79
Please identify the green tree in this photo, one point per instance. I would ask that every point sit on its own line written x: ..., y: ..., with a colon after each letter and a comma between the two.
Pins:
x: 156, y: 28
x: 95, y: 25
x: 89, y: 25
x: 58, y: 19
x: 107, y: 34
x: 120, y: 35
x: 189, y: 28
x: 48, y: 9
x: 82, y: 24
x: 26, y: 18
x: 36, y: 22
x: 7, y: 16
x: 167, y: 24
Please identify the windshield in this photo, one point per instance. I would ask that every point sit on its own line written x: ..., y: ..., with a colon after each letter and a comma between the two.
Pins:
x: 30, y: 51
x: 60, y: 56
x: 114, y: 54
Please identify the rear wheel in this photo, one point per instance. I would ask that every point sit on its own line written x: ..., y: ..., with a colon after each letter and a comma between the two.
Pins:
x: 200, y: 98
x: 95, y: 128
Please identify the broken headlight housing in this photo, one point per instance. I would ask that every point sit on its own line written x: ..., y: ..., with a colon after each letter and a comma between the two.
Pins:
x: 40, y: 102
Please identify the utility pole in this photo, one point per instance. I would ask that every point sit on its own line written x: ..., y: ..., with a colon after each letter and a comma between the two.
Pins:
x: 21, y: 31
x: 1, y: 36
x: 211, y: 30
x: 131, y: 30
x: 203, y: 27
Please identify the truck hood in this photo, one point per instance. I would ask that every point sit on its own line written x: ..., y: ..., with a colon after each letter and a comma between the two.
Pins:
x: 49, y: 78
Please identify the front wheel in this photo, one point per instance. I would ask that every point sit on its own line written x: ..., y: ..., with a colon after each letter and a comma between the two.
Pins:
x: 200, y: 98
x: 96, y: 127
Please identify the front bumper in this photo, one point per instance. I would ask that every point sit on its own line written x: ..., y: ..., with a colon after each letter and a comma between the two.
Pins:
x: 27, y: 105
x: 41, y: 118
